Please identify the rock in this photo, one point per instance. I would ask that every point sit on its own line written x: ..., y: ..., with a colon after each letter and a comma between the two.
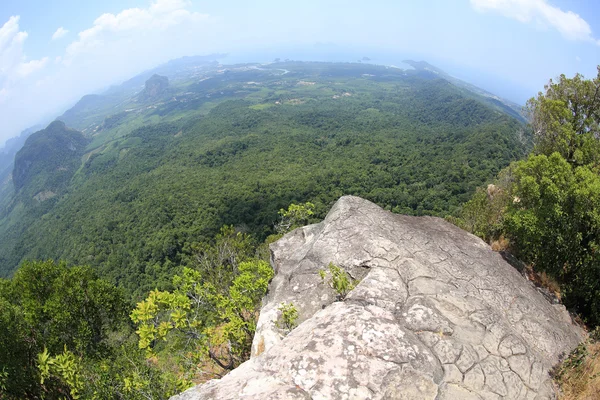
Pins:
x: 437, y: 315
x: 155, y: 86
x: 48, y: 160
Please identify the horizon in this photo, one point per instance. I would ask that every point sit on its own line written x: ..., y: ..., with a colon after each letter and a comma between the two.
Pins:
x: 53, y: 54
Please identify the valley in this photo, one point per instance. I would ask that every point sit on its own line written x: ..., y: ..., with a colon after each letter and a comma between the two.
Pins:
x: 164, y: 168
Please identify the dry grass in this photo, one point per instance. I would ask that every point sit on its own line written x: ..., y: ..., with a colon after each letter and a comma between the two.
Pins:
x: 579, y: 375
x: 550, y: 283
x: 541, y: 279
x: 501, y: 244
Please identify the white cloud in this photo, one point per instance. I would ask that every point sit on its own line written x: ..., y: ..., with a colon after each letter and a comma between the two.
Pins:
x: 113, y: 48
x: 17, y: 78
x: 13, y: 63
x: 60, y: 32
x: 27, y: 68
x: 568, y: 23
x: 159, y: 16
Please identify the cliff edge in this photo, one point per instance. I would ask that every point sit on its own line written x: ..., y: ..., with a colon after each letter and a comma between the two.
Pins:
x: 437, y: 315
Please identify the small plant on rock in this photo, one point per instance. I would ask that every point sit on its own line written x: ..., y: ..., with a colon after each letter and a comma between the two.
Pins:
x: 295, y: 216
x: 339, y: 280
x: 288, y: 319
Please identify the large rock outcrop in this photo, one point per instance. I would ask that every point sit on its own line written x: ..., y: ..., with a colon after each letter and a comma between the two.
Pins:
x: 49, y: 159
x: 155, y: 86
x: 437, y: 315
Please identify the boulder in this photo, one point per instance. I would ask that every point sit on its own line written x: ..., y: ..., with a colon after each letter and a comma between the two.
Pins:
x: 436, y: 315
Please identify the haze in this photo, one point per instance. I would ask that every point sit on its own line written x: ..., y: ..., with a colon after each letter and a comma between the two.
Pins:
x: 52, y: 53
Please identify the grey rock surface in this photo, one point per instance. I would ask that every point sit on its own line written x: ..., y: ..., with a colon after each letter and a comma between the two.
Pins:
x: 437, y: 315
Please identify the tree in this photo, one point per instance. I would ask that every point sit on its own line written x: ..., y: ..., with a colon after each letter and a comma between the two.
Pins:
x: 218, y: 262
x: 566, y: 119
x: 549, y: 204
x: 200, y: 321
x: 554, y: 222
x: 66, y: 313
x: 295, y: 216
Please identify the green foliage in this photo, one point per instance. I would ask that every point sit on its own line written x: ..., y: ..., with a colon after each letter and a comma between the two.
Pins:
x: 153, y: 188
x: 65, y: 367
x: 218, y: 262
x: 566, y: 119
x: 47, y: 308
x: 483, y: 215
x: 549, y: 204
x: 554, y: 222
x: 3, y: 379
x: 205, y: 318
x: 574, y: 361
x: 295, y: 216
x: 339, y: 280
x: 288, y: 318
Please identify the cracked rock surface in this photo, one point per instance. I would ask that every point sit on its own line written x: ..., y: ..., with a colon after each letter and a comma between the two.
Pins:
x: 437, y: 315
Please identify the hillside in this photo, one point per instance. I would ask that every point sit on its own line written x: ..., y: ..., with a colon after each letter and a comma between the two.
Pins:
x: 490, y: 99
x: 48, y: 159
x: 234, y: 144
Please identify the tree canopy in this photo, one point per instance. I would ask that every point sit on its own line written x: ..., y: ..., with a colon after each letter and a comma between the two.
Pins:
x: 548, y: 205
x: 566, y: 119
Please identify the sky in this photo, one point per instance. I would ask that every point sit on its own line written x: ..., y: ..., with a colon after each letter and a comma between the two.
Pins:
x: 54, y: 52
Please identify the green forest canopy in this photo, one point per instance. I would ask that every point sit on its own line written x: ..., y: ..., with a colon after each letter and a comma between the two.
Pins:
x: 161, y: 180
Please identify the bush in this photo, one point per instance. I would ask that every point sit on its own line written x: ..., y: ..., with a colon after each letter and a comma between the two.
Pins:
x: 288, y: 318
x: 339, y: 280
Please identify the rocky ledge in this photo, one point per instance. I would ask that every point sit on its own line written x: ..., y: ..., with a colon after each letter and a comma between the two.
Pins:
x: 437, y: 315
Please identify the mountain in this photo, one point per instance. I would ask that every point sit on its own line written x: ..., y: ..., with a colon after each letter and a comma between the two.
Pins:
x: 154, y: 87
x: 234, y: 144
x: 7, y: 157
x: 47, y: 160
x: 492, y: 100
x: 10, y: 149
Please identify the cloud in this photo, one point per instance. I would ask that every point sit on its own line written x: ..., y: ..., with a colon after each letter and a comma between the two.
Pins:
x: 159, y: 16
x: 60, y: 32
x: 568, y: 23
x: 13, y: 63
x: 17, y: 79
x: 113, y: 48
x: 27, y: 68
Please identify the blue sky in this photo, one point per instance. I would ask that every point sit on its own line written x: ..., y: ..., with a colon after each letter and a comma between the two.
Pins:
x: 53, y: 52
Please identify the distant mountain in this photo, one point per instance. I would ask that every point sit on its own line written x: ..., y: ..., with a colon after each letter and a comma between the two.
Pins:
x: 494, y: 101
x: 7, y: 158
x: 89, y: 112
x: 12, y: 145
x: 155, y: 87
x: 47, y: 161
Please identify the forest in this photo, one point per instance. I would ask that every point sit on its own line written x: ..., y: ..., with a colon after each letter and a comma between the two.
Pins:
x: 158, y: 239
x: 144, y: 197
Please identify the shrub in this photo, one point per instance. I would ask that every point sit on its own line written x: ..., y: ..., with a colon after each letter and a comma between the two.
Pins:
x: 288, y: 318
x: 339, y: 280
